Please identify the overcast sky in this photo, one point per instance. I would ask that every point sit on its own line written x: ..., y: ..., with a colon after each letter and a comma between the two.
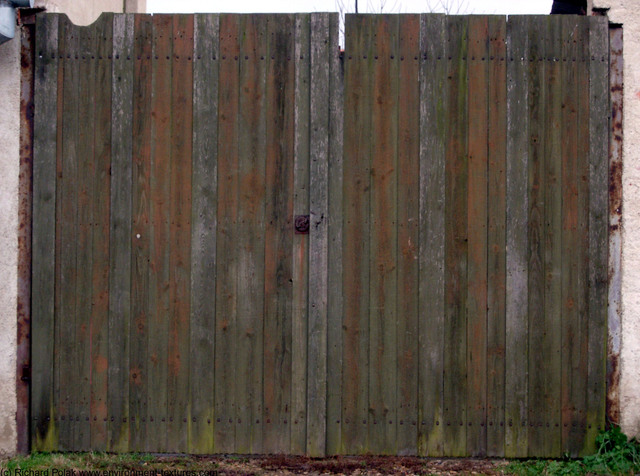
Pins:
x: 504, y: 7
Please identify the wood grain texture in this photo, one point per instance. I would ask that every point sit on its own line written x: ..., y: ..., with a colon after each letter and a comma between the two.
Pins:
x: 251, y: 218
x: 383, y: 70
x: 179, y: 216
x: 455, y: 392
x: 318, y: 235
x: 571, y: 336
x: 204, y: 201
x: 516, y: 231
x: 43, y: 423
x: 535, y: 228
x: 553, y: 238
x: 434, y: 99
x: 226, y: 271
x: 598, y: 236
x: 335, y: 298
x: 69, y: 239
x: 301, y: 242
x: 408, y: 228
x: 100, y: 182
x: 278, y: 275
x: 140, y: 232
x: 356, y: 241
x: 477, y: 212
x: 581, y: 358
x: 120, y: 248
x: 496, y: 238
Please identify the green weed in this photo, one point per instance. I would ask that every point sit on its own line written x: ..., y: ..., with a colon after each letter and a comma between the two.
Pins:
x: 616, y: 455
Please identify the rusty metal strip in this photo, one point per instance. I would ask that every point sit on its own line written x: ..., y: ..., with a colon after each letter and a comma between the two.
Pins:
x: 615, y: 222
x: 23, y: 360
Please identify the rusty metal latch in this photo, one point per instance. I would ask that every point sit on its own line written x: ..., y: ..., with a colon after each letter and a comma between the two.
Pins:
x: 302, y: 224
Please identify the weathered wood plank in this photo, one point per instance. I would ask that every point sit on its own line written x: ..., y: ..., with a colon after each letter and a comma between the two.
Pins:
x: 180, y: 233
x: 335, y: 276
x: 496, y: 239
x: 120, y: 262
x: 141, y: 231
x: 280, y: 95
x: 580, y: 386
x: 383, y: 234
x: 251, y: 213
x: 68, y: 236
x: 477, y: 203
x: 204, y: 201
x: 84, y: 142
x: 598, y: 235
x: 456, y: 246
x: 516, y: 231
x: 46, y: 90
x: 318, y: 244
x: 408, y: 228
x: 553, y: 238
x: 535, y: 227
x: 301, y: 242
x: 434, y: 100
x: 356, y: 242
x: 227, y: 265
x: 157, y: 419
x: 100, y: 182
x: 570, y: 240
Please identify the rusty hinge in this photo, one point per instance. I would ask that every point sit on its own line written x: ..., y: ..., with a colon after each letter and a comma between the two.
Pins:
x: 26, y: 373
x: 301, y: 224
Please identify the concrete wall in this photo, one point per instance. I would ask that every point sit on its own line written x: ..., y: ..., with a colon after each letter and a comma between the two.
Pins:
x: 627, y: 13
x: 86, y: 12
x: 9, y: 169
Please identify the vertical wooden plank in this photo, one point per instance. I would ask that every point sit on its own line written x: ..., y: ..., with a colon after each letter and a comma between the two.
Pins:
x: 278, y: 275
x: 141, y: 227
x: 356, y: 242
x: 43, y: 424
x: 516, y: 352
x: 203, y: 232
x: 101, y: 185
x: 383, y: 218
x: 318, y: 243
x: 583, y: 257
x: 570, y: 240
x: 83, y: 266
x: 434, y: 100
x: 251, y: 194
x: 496, y: 239
x: 180, y: 234
x: 598, y: 236
x: 301, y: 247
x: 536, y: 247
x: 335, y: 217
x: 408, y: 143
x: 477, y: 202
x: 157, y: 419
x: 120, y: 264
x: 553, y: 238
x: 68, y: 236
x: 456, y: 246
x: 226, y: 253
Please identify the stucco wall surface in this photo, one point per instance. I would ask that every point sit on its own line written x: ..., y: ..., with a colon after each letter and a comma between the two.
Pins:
x: 627, y: 13
x: 86, y: 12
x: 9, y: 169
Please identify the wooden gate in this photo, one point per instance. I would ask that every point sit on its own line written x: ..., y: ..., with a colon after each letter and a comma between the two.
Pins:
x: 246, y: 241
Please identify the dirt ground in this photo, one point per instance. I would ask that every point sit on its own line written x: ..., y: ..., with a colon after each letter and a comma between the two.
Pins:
x: 355, y: 465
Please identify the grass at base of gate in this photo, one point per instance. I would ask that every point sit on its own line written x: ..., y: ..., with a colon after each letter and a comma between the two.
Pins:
x: 93, y: 461
x: 616, y: 455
